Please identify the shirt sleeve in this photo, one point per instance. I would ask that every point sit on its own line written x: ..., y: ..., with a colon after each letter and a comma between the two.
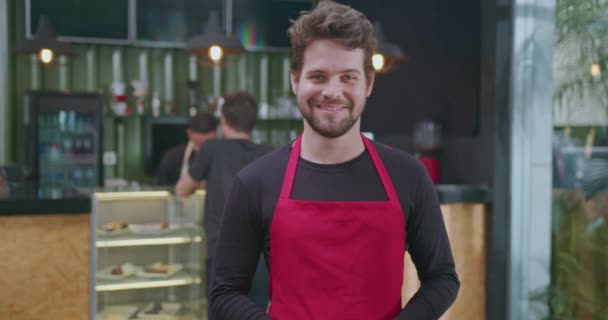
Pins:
x: 199, y: 167
x: 166, y: 170
x: 429, y: 247
x: 237, y: 253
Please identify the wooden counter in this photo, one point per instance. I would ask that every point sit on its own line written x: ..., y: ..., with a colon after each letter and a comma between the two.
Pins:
x: 45, y: 267
x: 466, y: 226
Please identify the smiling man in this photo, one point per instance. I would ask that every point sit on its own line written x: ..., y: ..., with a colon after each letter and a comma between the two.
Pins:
x: 331, y: 211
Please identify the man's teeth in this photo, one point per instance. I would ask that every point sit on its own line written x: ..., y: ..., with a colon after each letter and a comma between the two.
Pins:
x: 330, y: 108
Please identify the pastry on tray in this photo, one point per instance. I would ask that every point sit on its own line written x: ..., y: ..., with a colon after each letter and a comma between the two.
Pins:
x: 117, y: 272
x: 125, y: 268
x: 113, y: 227
x: 159, y: 270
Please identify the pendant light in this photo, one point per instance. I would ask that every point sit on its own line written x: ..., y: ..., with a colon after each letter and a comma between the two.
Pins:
x: 214, y: 44
x: 388, y: 55
x: 44, y: 44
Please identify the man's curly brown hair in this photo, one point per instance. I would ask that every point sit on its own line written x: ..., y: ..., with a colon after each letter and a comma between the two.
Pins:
x: 332, y: 21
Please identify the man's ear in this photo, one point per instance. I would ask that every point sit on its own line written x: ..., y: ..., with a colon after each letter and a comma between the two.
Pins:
x: 294, y: 82
x: 370, y: 84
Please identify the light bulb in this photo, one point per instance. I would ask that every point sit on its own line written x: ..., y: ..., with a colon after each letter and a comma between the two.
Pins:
x: 46, y: 55
x: 378, y: 61
x: 215, y: 53
x: 596, y: 70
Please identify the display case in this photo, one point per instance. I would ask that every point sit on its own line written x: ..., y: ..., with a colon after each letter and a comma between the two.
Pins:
x: 147, y: 253
x: 64, y: 139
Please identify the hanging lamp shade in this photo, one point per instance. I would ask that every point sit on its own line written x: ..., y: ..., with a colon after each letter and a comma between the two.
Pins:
x: 391, y: 52
x: 213, y: 36
x: 45, y: 38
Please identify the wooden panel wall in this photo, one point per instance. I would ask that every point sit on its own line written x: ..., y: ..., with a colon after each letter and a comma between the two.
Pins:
x: 45, y: 267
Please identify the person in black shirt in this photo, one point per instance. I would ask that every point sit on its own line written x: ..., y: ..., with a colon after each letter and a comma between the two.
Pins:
x: 333, y: 213
x: 201, y: 128
x: 217, y: 163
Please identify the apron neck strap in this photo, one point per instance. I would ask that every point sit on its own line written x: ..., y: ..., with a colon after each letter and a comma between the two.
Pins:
x: 290, y: 173
x: 294, y: 156
x: 381, y: 170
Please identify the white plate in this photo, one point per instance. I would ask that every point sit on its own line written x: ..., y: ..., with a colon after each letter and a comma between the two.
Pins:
x: 128, y: 270
x: 112, y: 233
x: 150, y: 228
x: 117, y: 312
x: 168, y: 312
x: 143, y: 274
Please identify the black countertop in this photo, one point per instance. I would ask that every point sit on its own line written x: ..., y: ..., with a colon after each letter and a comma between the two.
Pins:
x: 30, y: 201
x: 455, y: 193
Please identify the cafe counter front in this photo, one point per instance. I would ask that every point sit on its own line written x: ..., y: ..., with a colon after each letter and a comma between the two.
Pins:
x: 47, y: 254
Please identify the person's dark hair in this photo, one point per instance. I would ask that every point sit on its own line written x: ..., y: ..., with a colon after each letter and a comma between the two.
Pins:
x: 240, y: 111
x: 332, y: 21
x: 203, y: 122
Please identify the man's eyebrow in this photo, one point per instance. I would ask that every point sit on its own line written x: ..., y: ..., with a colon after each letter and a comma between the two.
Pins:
x: 315, y: 71
x: 357, y: 71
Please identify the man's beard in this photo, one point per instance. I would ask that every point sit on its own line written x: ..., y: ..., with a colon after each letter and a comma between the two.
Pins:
x: 334, y: 129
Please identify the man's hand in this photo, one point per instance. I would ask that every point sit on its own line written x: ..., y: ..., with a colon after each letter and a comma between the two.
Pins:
x: 186, y: 185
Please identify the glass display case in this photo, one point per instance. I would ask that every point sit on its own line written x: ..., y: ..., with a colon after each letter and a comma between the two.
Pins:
x: 147, y: 253
x: 64, y: 140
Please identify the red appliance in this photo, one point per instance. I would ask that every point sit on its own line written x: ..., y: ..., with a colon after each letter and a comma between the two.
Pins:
x: 427, y: 143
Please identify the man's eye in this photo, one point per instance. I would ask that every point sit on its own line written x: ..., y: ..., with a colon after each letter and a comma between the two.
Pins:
x: 349, y: 77
x: 316, y: 77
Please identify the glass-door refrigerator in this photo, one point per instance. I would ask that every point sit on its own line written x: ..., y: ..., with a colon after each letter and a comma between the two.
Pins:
x: 64, y: 133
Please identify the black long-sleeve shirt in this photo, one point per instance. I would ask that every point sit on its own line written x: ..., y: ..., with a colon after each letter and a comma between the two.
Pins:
x: 250, y: 207
x: 170, y: 165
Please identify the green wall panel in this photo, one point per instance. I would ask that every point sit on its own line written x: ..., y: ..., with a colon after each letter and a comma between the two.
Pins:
x: 180, y: 76
x: 275, y: 77
x: 131, y: 67
x: 133, y: 155
x: 104, y: 66
x: 94, y: 68
x: 50, y: 77
x: 78, y: 79
x: 6, y: 63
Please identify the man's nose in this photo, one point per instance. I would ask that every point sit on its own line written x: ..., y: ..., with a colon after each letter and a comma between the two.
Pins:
x: 332, y: 90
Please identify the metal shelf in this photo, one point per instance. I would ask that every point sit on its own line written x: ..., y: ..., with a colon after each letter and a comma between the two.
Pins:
x: 181, y: 278
x: 190, y: 235
x: 133, y: 242
x: 140, y: 195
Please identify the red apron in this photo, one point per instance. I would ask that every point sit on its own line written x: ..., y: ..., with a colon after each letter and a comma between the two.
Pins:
x: 336, y: 260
